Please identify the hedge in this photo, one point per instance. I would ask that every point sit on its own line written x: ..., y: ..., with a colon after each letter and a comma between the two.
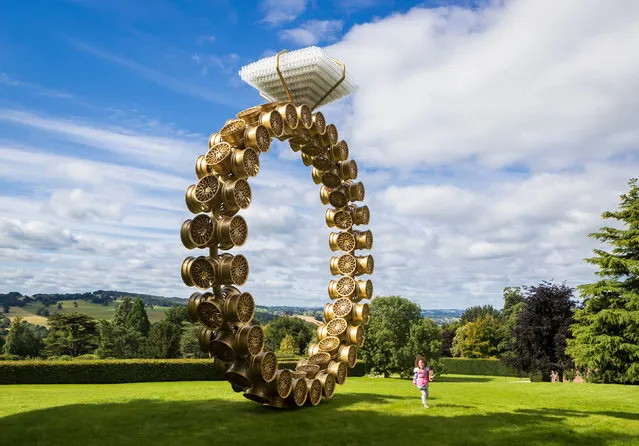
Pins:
x: 485, y: 367
x: 119, y: 371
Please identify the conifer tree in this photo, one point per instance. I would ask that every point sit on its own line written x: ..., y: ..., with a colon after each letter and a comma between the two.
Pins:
x: 137, y: 319
x: 606, y: 330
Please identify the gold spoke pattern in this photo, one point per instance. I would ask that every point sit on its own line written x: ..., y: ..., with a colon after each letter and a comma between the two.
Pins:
x: 225, y: 313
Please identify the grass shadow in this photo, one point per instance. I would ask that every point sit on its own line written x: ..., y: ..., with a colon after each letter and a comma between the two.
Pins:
x: 579, y: 414
x: 353, y: 419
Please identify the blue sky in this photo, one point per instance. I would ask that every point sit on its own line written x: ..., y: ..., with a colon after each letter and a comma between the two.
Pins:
x: 490, y: 137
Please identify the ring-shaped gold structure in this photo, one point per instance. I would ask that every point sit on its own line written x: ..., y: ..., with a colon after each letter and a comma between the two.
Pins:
x: 224, y: 312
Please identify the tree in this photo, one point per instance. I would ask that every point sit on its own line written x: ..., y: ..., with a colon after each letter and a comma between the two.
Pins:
x: 512, y: 298
x: 606, y: 329
x: 42, y: 311
x: 448, y: 334
x: 473, y: 313
x: 137, y: 318
x: 288, y: 345
x: 22, y: 339
x: 72, y: 334
x: 75, y: 304
x: 539, y: 336
x: 513, y: 304
x: 177, y: 315
x: 189, y: 343
x: 59, y: 306
x: 164, y: 341
x: 118, y: 341
x: 303, y: 332
x: 122, y: 312
x: 426, y: 340
x: 478, y: 339
x: 396, y: 334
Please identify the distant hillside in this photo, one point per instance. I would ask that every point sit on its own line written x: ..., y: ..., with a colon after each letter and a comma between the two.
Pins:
x: 101, y: 304
x: 444, y: 316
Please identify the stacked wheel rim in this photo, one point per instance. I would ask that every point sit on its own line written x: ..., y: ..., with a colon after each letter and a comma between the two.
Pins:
x: 224, y: 312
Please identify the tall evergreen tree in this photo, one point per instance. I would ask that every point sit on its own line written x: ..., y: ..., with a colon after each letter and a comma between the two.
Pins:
x: 164, y: 341
x: 606, y: 330
x: 137, y: 319
x: 122, y: 312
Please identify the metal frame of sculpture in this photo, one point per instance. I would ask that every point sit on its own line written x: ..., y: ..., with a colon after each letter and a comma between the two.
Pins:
x: 223, y: 311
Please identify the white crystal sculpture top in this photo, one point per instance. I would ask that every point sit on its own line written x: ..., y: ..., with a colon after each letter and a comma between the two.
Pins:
x: 309, y: 73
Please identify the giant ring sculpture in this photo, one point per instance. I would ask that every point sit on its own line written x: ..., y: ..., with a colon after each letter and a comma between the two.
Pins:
x: 222, y: 190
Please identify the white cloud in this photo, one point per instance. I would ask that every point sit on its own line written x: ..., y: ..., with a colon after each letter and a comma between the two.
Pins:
x: 313, y: 32
x: 166, y: 151
x: 80, y: 205
x: 279, y: 11
x: 530, y: 81
x: 225, y: 63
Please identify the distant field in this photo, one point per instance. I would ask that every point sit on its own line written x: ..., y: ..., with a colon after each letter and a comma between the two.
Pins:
x: 98, y: 311
x: 464, y: 410
x: 310, y: 319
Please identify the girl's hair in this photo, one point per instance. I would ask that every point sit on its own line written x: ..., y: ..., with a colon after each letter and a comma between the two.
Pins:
x: 419, y: 358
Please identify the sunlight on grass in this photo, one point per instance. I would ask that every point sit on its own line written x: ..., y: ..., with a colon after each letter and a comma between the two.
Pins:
x: 366, y: 411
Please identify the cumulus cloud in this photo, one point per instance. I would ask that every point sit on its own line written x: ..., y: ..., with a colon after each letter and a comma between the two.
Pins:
x: 34, y: 234
x: 313, y: 32
x: 81, y: 205
x: 279, y: 11
x: 531, y: 81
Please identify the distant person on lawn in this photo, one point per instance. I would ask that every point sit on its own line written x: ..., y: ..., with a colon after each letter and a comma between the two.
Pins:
x: 421, y: 376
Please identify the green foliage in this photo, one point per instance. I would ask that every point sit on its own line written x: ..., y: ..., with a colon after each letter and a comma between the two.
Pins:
x: 71, y: 334
x: 288, y: 346
x: 476, y: 366
x: 513, y: 297
x: 122, y: 312
x: 119, y: 371
x: 22, y: 339
x: 396, y: 334
x: 177, y: 315
x: 303, y: 332
x: 478, y: 339
x: 425, y: 339
x: 137, y: 318
x: 471, y: 314
x: 164, y: 341
x: 606, y: 329
x: 43, y: 311
x: 189, y: 344
x: 119, y: 341
x: 108, y: 371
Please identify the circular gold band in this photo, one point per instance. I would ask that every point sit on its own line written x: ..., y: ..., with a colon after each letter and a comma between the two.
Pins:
x: 225, y: 313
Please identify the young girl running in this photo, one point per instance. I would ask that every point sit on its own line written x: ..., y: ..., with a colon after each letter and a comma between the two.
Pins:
x: 421, y: 377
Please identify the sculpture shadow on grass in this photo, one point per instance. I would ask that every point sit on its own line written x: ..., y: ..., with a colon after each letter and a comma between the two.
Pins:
x: 350, y: 419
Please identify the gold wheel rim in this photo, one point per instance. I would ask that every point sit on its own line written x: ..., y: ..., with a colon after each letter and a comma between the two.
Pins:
x: 225, y: 313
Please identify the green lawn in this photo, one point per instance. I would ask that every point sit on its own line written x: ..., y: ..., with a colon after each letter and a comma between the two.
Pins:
x: 366, y: 411
x: 97, y: 311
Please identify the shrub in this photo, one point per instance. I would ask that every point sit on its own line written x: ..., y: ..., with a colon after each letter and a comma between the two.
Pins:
x: 485, y: 367
x: 120, y: 371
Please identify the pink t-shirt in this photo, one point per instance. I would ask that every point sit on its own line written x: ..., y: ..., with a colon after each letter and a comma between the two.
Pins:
x: 420, y: 378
